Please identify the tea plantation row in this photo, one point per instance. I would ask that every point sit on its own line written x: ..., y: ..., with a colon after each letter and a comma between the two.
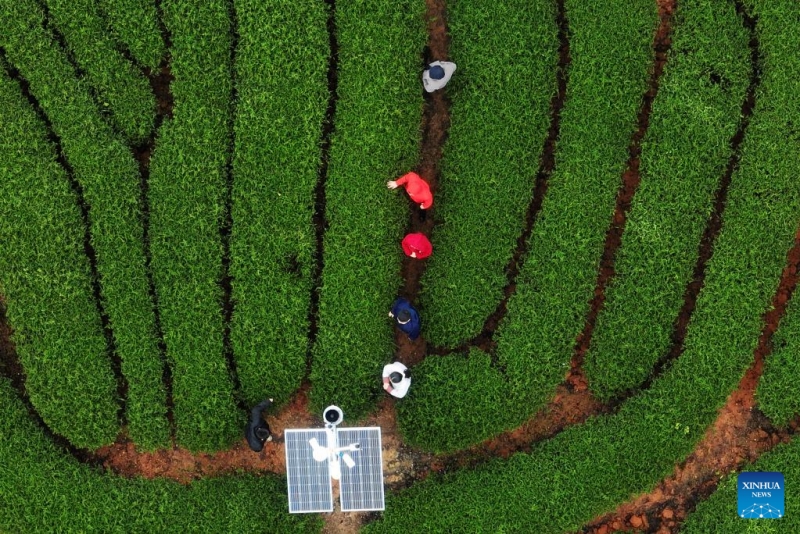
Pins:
x: 610, y: 57
x: 485, y: 187
x: 684, y: 157
x: 106, y: 172
x: 135, y: 23
x: 585, y: 471
x: 121, y: 90
x: 43, y: 489
x: 280, y: 110
x: 375, y: 139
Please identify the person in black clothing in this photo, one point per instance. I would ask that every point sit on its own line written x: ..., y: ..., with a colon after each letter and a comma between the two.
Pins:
x: 257, y: 431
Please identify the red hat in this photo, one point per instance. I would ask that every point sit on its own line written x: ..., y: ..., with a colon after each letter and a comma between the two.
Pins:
x: 417, y: 243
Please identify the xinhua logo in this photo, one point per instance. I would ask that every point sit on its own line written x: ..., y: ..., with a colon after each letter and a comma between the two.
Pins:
x: 761, y: 495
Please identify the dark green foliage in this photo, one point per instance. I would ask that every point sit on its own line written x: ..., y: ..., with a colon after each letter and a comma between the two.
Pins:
x: 46, y: 281
x: 135, y: 23
x: 684, y: 155
x: 122, y: 91
x: 585, y: 471
x: 778, y: 132
x: 376, y: 139
x: 109, y: 176
x: 718, y: 512
x: 500, y: 112
x: 607, y: 77
x: 42, y: 489
x: 778, y: 393
x: 281, y: 66
x: 186, y: 194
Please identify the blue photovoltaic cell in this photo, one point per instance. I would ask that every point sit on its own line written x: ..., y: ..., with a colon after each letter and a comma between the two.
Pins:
x: 309, y: 481
x: 362, y: 485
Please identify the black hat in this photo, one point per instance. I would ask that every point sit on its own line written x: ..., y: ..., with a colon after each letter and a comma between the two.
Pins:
x: 395, y: 377
x: 436, y: 72
x: 403, y: 316
x: 262, y: 433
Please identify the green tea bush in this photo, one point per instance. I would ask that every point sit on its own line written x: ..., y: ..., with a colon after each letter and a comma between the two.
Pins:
x: 718, y: 512
x: 500, y: 113
x: 610, y: 56
x: 587, y: 470
x: 186, y: 195
x: 778, y: 133
x: 376, y: 139
x: 280, y: 65
x: 684, y: 155
x: 42, y: 489
x: 778, y: 393
x: 122, y: 91
x: 135, y: 23
x: 46, y: 280
x: 109, y: 177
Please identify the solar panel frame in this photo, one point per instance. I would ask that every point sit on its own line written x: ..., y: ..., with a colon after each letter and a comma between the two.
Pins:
x: 310, y: 488
x: 361, y: 488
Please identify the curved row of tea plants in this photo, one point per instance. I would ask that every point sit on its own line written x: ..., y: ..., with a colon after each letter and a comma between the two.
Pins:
x: 718, y: 512
x: 376, y: 139
x: 684, y: 155
x: 280, y: 109
x: 485, y: 186
x: 778, y: 393
x: 122, y: 91
x: 43, y: 489
x: 610, y: 57
x: 109, y: 177
x: 46, y: 280
x: 135, y: 23
x: 587, y: 470
x: 187, y: 189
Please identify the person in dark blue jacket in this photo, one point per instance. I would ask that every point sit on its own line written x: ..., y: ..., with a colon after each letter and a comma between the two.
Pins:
x: 257, y: 431
x: 406, y: 318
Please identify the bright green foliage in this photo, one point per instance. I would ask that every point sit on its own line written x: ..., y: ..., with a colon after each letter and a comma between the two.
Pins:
x: 281, y: 66
x: 135, y: 23
x: 109, y: 176
x: 610, y: 56
x: 376, y: 139
x: 684, y: 155
x: 43, y: 490
x: 121, y: 90
x: 778, y: 392
x: 500, y: 115
x: 718, y: 512
x: 186, y: 193
x: 587, y: 470
x: 45, y: 277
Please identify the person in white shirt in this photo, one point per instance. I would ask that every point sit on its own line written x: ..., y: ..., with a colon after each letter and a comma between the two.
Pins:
x: 396, y: 379
x: 437, y: 74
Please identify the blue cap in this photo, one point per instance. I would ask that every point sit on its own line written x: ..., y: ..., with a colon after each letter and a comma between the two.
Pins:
x: 436, y: 72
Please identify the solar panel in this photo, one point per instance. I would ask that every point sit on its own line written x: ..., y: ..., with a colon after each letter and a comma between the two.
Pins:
x: 309, y: 481
x: 362, y: 485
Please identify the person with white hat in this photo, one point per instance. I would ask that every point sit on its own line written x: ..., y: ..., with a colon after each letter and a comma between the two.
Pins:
x: 396, y: 379
x: 437, y: 74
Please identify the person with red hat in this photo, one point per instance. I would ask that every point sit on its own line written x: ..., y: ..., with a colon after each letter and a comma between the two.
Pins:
x: 417, y: 188
x: 417, y: 246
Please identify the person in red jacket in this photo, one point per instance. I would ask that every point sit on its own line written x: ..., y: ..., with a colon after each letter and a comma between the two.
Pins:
x: 416, y: 187
x: 417, y: 246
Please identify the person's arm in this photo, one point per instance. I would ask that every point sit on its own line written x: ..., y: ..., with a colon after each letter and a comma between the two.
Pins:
x: 387, y: 384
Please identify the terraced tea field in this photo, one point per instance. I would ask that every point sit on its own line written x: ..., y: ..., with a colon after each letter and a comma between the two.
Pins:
x: 194, y: 217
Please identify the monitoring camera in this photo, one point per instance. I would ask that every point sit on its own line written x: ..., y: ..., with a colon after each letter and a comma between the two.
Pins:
x: 333, y: 415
